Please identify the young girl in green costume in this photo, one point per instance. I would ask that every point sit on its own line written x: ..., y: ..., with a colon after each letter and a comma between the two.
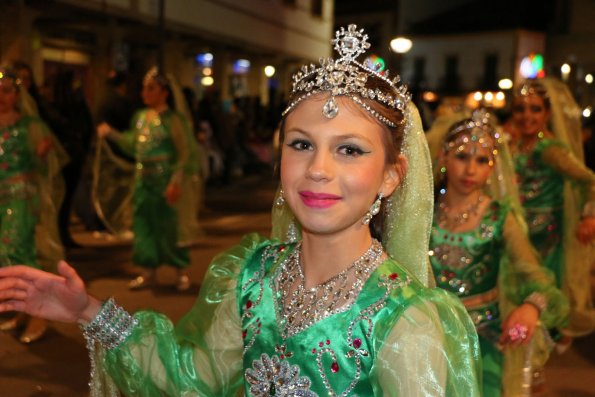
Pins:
x: 29, y: 166
x: 336, y: 303
x: 557, y: 191
x: 166, y: 168
x: 480, y: 251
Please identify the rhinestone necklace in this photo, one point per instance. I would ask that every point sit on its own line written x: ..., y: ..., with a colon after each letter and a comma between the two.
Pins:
x: 299, y: 307
x: 449, y: 221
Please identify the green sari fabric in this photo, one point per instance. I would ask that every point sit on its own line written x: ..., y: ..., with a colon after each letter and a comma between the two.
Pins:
x: 397, y: 339
x: 497, y: 257
x: 555, y: 186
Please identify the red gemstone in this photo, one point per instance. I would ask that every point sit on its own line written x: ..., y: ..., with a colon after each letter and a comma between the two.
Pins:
x: 357, y: 342
x: 244, y: 333
x: 328, y: 342
x: 320, y: 344
x: 248, y: 304
x: 335, y: 367
x: 393, y: 276
x: 282, y: 356
x: 282, y: 248
x: 314, y: 351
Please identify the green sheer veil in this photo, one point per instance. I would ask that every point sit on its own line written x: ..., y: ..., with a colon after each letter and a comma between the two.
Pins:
x: 566, y: 126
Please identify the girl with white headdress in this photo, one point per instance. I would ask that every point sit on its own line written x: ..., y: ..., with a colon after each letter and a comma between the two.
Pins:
x: 336, y: 303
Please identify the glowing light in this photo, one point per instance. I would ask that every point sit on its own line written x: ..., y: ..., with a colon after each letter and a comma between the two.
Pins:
x: 500, y: 96
x: 207, y: 81
x: 587, y: 112
x: 505, y: 84
x: 532, y: 66
x: 205, y: 59
x: 565, y: 69
x: 376, y: 63
x: 430, y: 96
x: 269, y: 71
x: 207, y: 71
x: 478, y: 96
x: 241, y: 66
x: 401, y: 45
x: 589, y: 78
x: 489, y: 97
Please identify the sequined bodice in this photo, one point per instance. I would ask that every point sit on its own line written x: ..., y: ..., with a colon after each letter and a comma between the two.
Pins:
x: 540, y: 186
x: 153, y: 139
x: 467, y: 263
x: 16, y: 156
x: 332, y: 356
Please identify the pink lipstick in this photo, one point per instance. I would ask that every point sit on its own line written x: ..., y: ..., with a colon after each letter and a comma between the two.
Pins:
x: 319, y: 200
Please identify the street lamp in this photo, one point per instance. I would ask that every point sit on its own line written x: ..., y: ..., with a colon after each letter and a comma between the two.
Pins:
x: 401, y: 45
x: 269, y: 71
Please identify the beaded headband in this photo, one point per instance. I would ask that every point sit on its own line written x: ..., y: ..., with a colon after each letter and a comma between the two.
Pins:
x: 155, y: 75
x: 7, y: 74
x: 477, y: 130
x: 347, y: 77
x: 532, y: 87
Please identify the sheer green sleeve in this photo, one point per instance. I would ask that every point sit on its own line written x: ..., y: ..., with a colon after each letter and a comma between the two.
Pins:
x: 524, y: 275
x: 202, y: 355
x: 126, y: 139
x: 432, y: 350
x: 562, y: 160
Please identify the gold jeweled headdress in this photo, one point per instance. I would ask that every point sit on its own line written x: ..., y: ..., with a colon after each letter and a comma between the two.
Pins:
x: 8, y: 74
x: 478, y: 129
x: 346, y: 76
x: 531, y: 87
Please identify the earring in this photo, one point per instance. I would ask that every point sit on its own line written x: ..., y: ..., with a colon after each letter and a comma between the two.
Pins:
x: 280, y: 199
x: 374, y: 210
x: 442, y: 173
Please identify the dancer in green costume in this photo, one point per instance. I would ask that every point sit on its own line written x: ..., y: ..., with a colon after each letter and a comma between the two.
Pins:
x: 166, y: 167
x: 334, y: 304
x: 479, y: 250
x: 557, y: 191
x: 29, y: 166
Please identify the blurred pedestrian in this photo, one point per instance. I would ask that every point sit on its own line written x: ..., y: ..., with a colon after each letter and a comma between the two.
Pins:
x: 70, y: 119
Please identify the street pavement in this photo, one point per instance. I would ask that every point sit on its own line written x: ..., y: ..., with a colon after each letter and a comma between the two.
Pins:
x: 58, y: 364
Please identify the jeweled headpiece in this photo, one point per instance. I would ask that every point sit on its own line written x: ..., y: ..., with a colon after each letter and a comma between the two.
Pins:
x: 155, y: 74
x: 8, y: 74
x: 479, y: 130
x: 346, y: 76
x: 531, y: 87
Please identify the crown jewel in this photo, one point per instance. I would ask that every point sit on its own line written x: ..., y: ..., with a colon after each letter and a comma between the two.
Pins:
x: 348, y: 77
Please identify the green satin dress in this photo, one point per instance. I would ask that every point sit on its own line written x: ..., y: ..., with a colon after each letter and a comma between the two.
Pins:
x: 19, y: 200
x: 483, y: 265
x: 397, y: 338
x: 158, y: 158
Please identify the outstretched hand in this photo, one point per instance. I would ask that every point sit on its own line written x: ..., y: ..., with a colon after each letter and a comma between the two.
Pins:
x: 61, y: 297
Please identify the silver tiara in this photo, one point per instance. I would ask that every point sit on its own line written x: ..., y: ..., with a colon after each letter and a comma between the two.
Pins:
x: 347, y: 77
x: 532, y: 87
x: 479, y: 129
